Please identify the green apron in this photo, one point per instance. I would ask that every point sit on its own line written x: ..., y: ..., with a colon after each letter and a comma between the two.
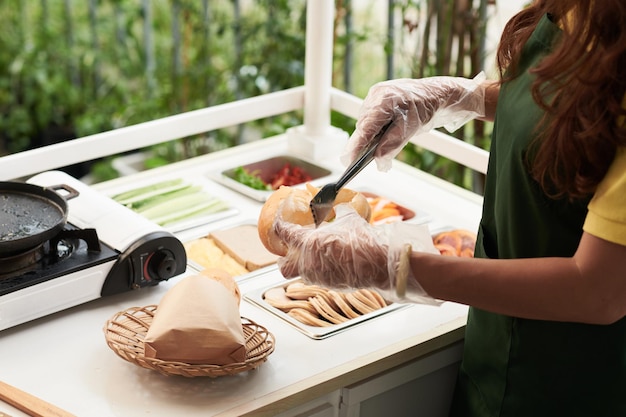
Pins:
x: 520, y: 367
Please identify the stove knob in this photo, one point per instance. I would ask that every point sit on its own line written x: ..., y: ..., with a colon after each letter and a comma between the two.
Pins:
x: 163, y: 264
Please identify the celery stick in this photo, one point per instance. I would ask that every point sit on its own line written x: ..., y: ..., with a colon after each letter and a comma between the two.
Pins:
x: 147, y: 197
x: 144, y: 192
x: 210, y: 207
x: 183, y: 204
x: 143, y: 205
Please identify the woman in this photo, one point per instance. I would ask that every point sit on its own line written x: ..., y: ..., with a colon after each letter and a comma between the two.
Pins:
x: 546, y: 332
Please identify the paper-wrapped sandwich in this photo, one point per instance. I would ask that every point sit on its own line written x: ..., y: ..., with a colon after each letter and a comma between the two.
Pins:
x: 198, y: 322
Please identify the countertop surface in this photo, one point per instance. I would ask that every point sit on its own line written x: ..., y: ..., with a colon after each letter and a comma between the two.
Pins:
x: 64, y: 359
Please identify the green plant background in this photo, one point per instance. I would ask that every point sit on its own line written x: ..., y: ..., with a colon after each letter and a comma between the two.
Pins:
x: 70, y: 69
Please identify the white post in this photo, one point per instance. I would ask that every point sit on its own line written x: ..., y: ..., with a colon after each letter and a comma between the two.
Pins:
x: 317, y: 139
x: 318, y: 66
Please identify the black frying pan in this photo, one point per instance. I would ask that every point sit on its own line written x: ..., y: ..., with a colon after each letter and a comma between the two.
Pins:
x: 30, y: 215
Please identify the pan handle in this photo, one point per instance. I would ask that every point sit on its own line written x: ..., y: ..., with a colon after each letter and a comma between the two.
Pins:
x: 69, y: 191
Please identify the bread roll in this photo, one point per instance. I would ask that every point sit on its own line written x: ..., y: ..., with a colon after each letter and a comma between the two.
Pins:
x: 293, y: 206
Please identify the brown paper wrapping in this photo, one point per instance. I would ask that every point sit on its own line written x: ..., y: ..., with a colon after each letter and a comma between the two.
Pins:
x: 197, y: 322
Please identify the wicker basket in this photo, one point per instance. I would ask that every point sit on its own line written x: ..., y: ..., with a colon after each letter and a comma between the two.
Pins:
x: 125, y: 332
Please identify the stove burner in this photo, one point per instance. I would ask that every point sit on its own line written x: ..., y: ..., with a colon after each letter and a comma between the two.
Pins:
x: 89, y: 236
x: 54, y: 251
x: 22, y: 261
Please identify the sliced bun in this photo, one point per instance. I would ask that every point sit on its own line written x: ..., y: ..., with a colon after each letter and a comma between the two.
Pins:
x: 292, y: 205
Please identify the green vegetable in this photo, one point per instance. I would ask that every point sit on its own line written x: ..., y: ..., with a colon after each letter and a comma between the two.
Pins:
x: 142, y: 193
x: 143, y: 205
x: 210, y: 207
x: 183, y: 208
x: 251, y: 179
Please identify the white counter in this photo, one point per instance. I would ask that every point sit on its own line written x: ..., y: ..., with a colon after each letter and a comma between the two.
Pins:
x: 63, y: 358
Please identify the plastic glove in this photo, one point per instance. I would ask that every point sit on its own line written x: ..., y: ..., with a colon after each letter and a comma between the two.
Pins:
x: 350, y: 253
x: 414, y: 106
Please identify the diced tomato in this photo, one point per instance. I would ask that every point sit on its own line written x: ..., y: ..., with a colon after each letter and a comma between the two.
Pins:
x: 289, y: 175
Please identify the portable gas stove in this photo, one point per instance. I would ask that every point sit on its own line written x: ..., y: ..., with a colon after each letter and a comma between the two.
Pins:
x: 103, y: 249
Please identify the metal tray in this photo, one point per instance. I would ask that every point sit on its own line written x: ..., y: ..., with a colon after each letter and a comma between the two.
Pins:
x: 266, y: 169
x: 314, y: 332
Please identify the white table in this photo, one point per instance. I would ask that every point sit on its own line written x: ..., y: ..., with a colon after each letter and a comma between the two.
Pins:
x: 63, y: 358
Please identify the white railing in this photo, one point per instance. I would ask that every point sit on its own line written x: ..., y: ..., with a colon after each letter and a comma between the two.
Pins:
x: 130, y: 138
x: 141, y: 135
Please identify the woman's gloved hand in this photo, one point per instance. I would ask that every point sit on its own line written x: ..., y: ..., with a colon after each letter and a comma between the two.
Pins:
x: 414, y: 106
x: 350, y: 253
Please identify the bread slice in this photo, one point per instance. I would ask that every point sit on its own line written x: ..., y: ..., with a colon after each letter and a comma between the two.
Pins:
x: 243, y: 243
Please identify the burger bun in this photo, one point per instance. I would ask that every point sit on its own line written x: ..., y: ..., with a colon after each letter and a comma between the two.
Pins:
x: 292, y: 205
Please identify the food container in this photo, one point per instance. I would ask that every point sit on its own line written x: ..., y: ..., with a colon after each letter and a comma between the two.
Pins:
x: 237, y: 249
x: 257, y: 297
x: 388, y: 210
x: 266, y: 170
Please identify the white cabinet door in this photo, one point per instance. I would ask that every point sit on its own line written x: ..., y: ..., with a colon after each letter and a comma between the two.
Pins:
x: 326, y: 406
x: 420, y: 388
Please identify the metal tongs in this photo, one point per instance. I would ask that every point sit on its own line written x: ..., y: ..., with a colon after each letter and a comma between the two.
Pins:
x: 322, y: 203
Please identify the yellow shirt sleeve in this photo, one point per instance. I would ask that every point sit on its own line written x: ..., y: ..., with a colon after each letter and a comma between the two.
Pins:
x: 606, y: 218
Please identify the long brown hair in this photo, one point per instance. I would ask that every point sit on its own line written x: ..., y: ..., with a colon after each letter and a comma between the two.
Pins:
x: 585, y: 79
